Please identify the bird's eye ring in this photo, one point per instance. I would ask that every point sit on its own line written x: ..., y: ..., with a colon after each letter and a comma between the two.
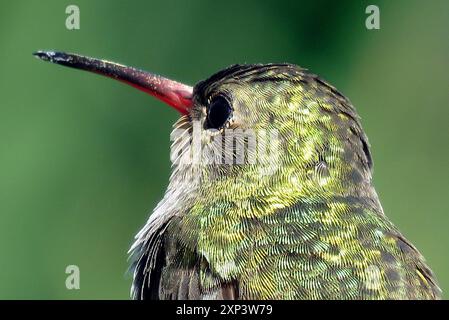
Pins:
x: 219, y: 111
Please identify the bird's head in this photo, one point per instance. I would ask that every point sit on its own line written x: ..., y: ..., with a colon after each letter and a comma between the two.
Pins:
x: 255, y: 129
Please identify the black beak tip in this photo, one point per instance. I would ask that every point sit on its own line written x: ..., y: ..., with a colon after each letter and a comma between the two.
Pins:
x: 52, y: 56
x: 43, y: 55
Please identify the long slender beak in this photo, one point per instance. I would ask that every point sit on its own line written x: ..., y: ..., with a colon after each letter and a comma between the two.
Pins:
x: 175, y: 94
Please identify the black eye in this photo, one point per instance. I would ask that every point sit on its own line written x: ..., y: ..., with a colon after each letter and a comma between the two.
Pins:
x: 218, y: 112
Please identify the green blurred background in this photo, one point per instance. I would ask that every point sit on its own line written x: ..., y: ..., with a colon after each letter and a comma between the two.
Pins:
x: 83, y: 159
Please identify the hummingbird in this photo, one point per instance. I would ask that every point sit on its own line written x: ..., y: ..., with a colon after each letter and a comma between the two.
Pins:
x: 311, y: 226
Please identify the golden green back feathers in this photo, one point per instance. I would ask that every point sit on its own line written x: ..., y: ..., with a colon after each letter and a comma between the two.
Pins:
x: 310, y: 228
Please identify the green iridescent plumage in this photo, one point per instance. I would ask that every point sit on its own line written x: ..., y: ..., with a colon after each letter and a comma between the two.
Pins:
x: 314, y: 229
x: 302, y: 222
